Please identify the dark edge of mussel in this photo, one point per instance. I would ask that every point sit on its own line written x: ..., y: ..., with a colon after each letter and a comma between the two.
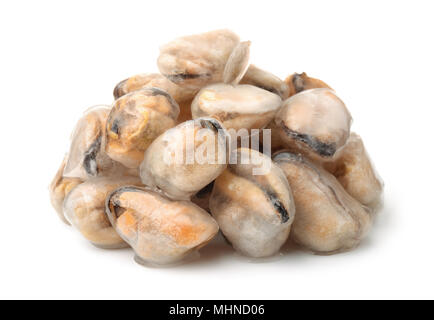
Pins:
x: 298, y: 82
x: 280, y: 208
x: 284, y: 216
x: 321, y: 148
x: 211, y: 124
x: 89, y: 161
x: 108, y: 200
x: 160, y: 92
x: 205, y: 190
x: 180, y: 77
x: 117, y: 91
x: 288, y: 156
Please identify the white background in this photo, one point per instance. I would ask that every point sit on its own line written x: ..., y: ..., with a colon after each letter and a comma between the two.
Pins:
x: 57, y: 58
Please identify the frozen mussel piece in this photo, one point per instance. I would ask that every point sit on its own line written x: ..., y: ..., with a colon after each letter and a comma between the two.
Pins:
x: 254, y: 209
x: 156, y: 80
x: 186, y: 158
x: 84, y: 208
x: 237, y: 107
x: 237, y: 64
x: 136, y: 119
x: 356, y: 172
x: 265, y: 80
x: 160, y: 231
x: 197, y: 60
x: 60, y: 187
x: 328, y: 219
x: 299, y: 82
x: 87, y: 158
x: 314, y: 122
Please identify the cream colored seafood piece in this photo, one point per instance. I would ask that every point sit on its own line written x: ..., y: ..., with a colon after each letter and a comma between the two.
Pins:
x: 156, y: 80
x: 84, y: 207
x: 328, y: 219
x: 136, y: 119
x: 254, y: 210
x: 237, y: 107
x: 237, y: 64
x: 356, y: 172
x: 59, y: 188
x: 185, y: 158
x: 160, y: 231
x: 314, y: 121
x: 265, y: 80
x: 197, y: 60
x: 299, y: 82
x: 86, y: 157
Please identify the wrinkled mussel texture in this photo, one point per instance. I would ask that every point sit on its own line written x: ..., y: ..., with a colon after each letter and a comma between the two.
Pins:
x: 160, y: 230
x: 86, y: 158
x: 356, y: 172
x: 186, y: 158
x: 135, y: 120
x: 254, y: 209
x: 265, y: 80
x: 313, y: 122
x: 197, y: 60
x: 84, y: 207
x: 328, y: 219
x: 299, y: 82
x: 156, y: 80
x: 236, y: 107
x: 59, y: 188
